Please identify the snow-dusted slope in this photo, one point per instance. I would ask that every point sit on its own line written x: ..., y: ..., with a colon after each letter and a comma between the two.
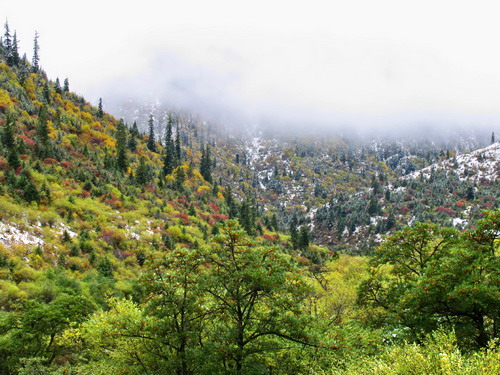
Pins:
x: 481, y: 164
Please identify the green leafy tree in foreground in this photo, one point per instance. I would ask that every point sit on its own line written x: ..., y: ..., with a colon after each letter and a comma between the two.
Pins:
x: 178, y: 308
x: 36, y: 330
x: 257, y: 294
x: 440, y: 277
x: 234, y: 308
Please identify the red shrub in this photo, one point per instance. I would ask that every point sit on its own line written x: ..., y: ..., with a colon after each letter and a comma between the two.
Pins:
x: 268, y: 237
x: 404, y: 209
x: 445, y: 210
x: 65, y: 164
x: 183, y: 217
x: 49, y: 161
x: 84, y: 194
x: 219, y: 217
x: 27, y: 140
x: 215, y: 208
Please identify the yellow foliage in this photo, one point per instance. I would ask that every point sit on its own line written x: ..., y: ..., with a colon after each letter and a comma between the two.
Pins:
x: 87, y: 117
x: 52, y: 132
x: 203, y: 189
x: 4, y: 99
x: 29, y: 86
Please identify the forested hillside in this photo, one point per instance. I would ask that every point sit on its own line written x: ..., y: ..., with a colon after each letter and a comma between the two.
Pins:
x: 174, y: 246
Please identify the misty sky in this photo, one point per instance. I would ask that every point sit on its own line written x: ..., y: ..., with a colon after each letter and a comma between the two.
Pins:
x: 398, y: 63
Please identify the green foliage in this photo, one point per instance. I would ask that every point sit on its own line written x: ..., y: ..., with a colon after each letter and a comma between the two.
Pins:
x: 206, y: 164
x: 121, y: 146
x: 439, y: 277
x: 439, y: 354
x: 151, y: 137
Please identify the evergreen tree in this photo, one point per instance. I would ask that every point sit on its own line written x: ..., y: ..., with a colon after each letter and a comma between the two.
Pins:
x: 274, y: 222
x: 303, y: 241
x: 7, y: 44
x: 46, y: 93
x: 373, y: 207
x: 13, y: 159
x: 57, y: 86
x: 100, y: 112
x: 42, y: 129
x: 135, y: 130
x: 294, y: 234
x: 36, y: 58
x: 66, y: 85
x: 232, y: 209
x: 180, y: 177
x: 492, y: 137
x: 8, y: 131
x: 205, y: 165
x: 121, y: 146
x: 143, y: 173
x: 169, y: 159
x: 151, y: 139
x: 15, y: 59
x: 178, y: 150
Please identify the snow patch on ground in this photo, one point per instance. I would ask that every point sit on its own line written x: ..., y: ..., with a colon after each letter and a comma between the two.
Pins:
x: 11, y: 234
x: 481, y: 164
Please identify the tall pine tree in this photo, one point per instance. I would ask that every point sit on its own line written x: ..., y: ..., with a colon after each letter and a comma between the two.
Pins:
x: 100, y: 112
x: 151, y: 139
x: 7, y: 44
x: 169, y: 159
x: 15, y: 59
x: 178, y: 150
x: 205, y: 164
x: 121, y: 146
x: 36, y: 57
x: 66, y: 85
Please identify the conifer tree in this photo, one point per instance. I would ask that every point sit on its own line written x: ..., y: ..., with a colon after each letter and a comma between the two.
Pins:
x: 15, y: 59
x: 180, y: 177
x: 178, y: 150
x: 13, y: 158
x: 169, y: 159
x: 66, y: 85
x: 42, y: 129
x: 143, y: 173
x: 294, y: 234
x: 121, y: 146
x: 46, y: 93
x: 151, y: 139
x: 8, y: 131
x: 100, y: 112
x: 135, y: 130
x: 303, y: 241
x: 57, y: 86
x: 7, y: 44
x: 492, y: 137
x: 205, y: 165
x: 36, y: 58
x: 228, y: 196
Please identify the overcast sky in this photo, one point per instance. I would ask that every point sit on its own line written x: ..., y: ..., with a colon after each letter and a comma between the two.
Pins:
x: 367, y: 62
